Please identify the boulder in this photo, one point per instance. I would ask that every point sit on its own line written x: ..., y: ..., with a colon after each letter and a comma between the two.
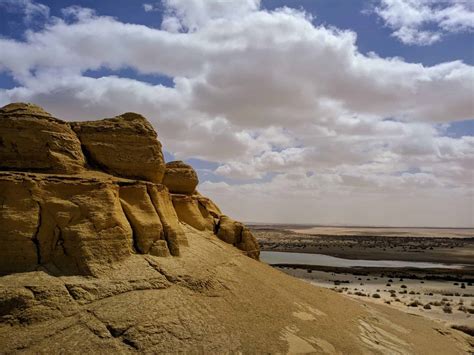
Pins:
x: 190, y: 212
x: 180, y: 178
x: 125, y: 146
x: 238, y: 235
x: 32, y: 140
x: 207, y: 204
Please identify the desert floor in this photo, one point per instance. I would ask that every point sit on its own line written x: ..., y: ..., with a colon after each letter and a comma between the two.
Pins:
x: 445, y: 296
x: 438, y: 245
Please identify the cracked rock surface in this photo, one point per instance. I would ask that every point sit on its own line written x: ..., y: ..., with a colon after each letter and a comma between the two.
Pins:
x: 211, y: 299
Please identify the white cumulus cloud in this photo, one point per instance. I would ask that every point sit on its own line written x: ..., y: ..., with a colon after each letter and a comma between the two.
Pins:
x: 424, y: 22
x: 311, y: 125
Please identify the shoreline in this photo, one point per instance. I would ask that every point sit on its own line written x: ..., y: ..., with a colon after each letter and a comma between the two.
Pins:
x: 459, y: 275
x: 402, y: 248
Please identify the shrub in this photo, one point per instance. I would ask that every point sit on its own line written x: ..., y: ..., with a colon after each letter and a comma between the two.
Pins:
x: 403, y: 286
x: 376, y: 295
x: 427, y: 306
x: 447, y: 309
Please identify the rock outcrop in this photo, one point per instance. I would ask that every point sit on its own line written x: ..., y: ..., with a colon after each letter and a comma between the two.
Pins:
x: 124, y: 146
x: 79, y: 197
x: 180, y: 178
x: 32, y: 140
x: 201, y: 213
x: 238, y: 235
x: 98, y: 257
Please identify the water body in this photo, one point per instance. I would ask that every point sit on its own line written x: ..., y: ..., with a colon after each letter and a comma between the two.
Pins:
x: 276, y: 257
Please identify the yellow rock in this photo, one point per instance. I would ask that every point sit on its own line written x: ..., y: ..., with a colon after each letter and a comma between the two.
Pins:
x: 19, y: 220
x: 189, y: 211
x: 32, y: 140
x: 65, y: 220
x: 180, y: 178
x: 238, y: 235
x: 124, y: 146
x: 143, y: 218
x: 173, y: 232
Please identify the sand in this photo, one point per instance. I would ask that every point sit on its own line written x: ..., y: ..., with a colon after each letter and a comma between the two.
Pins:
x: 439, y: 295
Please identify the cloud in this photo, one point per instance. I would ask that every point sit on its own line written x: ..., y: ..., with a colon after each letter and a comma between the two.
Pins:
x: 148, y: 7
x: 268, y: 96
x: 193, y: 14
x: 31, y: 10
x: 424, y: 22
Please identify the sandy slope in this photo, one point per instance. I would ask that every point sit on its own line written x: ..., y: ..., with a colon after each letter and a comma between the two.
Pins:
x: 211, y: 299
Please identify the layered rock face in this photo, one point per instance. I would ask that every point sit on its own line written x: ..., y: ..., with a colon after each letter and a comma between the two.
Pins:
x: 126, y: 146
x: 203, y: 214
x: 32, y: 140
x: 180, y: 178
x: 78, y: 197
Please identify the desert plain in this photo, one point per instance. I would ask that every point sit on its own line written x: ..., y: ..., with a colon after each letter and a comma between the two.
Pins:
x: 426, y: 272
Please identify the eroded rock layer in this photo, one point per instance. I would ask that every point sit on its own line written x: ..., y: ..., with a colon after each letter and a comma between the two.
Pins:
x: 31, y: 139
x: 125, y: 146
x: 180, y: 178
x: 77, y: 198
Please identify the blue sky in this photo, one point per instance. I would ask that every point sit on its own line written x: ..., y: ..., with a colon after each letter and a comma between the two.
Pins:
x: 291, y: 104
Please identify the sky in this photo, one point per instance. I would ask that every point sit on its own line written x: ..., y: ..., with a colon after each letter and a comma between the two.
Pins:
x: 326, y: 112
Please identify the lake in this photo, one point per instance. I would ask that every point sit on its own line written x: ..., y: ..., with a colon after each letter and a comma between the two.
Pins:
x: 275, y: 257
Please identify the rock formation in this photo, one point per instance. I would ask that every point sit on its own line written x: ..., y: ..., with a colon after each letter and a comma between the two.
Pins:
x: 180, y: 178
x: 104, y: 249
x: 107, y: 204
x: 125, y: 146
x: 32, y: 140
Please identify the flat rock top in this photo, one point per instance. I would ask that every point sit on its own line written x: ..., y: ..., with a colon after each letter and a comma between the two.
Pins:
x: 178, y: 164
x: 20, y: 108
x: 128, y: 123
x: 23, y: 110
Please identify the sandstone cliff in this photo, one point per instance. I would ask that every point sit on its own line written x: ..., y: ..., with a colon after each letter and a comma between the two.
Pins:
x: 104, y: 248
x: 109, y: 201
